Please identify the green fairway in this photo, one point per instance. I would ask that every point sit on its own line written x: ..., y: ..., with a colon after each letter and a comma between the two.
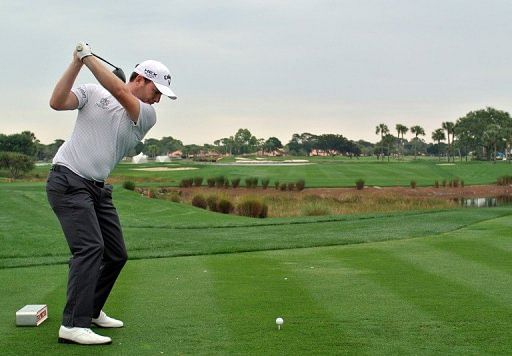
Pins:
x: 197, y: 282
x: 320, y: 172
x: 323, y: 172
x: 444, y: 293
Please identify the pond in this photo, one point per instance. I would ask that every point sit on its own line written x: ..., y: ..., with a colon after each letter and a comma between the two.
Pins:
x: 485, y: 202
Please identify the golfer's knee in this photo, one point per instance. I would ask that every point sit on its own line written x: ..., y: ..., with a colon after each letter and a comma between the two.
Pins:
x: 119, y: 258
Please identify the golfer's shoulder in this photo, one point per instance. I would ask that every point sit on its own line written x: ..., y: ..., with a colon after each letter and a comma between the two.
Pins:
x: 91, y: 89
x: 147, y: 114
x: 147, y: 109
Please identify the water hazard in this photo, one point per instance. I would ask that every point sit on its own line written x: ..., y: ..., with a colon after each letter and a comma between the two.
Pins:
x: 486, y: 202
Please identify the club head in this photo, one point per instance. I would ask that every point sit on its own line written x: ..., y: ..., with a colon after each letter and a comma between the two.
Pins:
x: 120, y: 74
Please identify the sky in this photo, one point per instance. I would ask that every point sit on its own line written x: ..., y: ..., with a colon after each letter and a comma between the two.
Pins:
x: 273, y: 67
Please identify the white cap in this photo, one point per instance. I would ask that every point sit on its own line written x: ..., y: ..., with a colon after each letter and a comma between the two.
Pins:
x: 158, y: 74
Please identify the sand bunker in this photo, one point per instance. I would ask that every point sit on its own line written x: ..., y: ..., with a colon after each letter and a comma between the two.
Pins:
x: 162, y: 169
x: 262, y: 162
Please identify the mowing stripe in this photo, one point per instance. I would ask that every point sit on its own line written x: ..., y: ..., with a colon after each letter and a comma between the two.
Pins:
x: 446, y: 300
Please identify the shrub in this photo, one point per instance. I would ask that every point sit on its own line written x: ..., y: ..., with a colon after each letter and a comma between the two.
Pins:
x: 175, y: 197
x: 212, y: 202
x: 359, y: 184
x: 210, y: 182
x: 127, y: 184
x: 276, y: 184
x: 17, y: 163
x: 282, y: 186
x: 462, y: 183
x: 300, y: 184
x: 264, y: 211
x: 219, y: 181
x: 443, y: 183
x: 152, y: 193
x: 198, y: 181
x: 226, y: 183
x: 251, y: 182
x: 199, y: 201
x: 436, y: 184
x: 413, y: 184
x: 235, y: 182
x: 186, y: 182
x: 225, y: 206
x: 455, y: 182
x: 253, y: 208
x: 290, y: 186
x: 265, y: 182
x: 504, y: 180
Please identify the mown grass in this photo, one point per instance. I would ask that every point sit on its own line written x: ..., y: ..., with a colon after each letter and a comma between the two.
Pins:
x: 422, y: 282
x: 439, y: 293
x: 322, y: 172
x: 158, y: 228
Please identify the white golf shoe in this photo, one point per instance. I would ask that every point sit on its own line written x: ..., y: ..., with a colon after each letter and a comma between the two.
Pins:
x: 81, y: 336
x: 104, y: 321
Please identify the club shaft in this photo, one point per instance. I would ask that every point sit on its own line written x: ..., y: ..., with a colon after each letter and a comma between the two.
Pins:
x: 104, y: 60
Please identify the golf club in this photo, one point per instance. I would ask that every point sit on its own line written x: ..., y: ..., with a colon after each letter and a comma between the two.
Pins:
x: 117, y: 71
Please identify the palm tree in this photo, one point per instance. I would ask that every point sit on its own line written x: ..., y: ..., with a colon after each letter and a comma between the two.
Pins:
x: 417, y: 130
x: 449, y: 127
x: 401, y: 130
x: 383, y: 130
x: 438, y: 135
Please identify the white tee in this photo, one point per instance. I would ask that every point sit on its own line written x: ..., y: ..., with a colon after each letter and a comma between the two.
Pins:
x: 103, y: 133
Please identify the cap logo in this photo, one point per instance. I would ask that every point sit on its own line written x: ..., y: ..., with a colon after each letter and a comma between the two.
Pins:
x: 168, y: 78
x: 150, y: 74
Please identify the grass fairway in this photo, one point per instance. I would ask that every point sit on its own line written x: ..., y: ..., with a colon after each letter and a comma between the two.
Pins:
x: 436, y: 282
x: 446, y: 293
x: 325, y: 172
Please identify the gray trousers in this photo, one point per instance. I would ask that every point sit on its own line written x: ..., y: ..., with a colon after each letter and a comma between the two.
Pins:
x: 93, y: 233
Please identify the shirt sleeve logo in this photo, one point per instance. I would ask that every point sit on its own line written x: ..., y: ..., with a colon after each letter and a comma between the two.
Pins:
x: 103, y: 103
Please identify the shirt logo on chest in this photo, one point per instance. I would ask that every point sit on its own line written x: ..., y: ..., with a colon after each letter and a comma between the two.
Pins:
x: 103, y: 103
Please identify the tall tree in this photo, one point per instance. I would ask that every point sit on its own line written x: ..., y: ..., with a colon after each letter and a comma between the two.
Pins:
x: 401, y: 131
x: 272, y: 144
x: 491, y: 136
x: 470, y: 129
x: 449, y: 127
x: 25, y: 143
x: 417, y: 130
x: 383, y: 130
x: 438, y: 135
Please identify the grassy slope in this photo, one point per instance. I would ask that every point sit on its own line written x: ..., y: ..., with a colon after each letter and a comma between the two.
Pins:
x: 157, y: 228
x: 445, y: 293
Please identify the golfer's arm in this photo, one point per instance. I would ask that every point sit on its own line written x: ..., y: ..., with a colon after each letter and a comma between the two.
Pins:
x: 62, y: 97
x: 115, y: 86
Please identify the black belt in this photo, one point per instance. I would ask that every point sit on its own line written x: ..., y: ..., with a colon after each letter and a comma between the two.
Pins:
x: 62, y: 169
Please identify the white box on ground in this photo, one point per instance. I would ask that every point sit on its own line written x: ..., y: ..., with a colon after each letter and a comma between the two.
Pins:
x: 31, y: 315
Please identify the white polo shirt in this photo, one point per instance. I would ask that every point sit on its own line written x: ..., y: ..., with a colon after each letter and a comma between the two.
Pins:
x: 103, y: 133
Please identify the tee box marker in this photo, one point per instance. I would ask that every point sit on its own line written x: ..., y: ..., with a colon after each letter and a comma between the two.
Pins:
x: 31, y: 315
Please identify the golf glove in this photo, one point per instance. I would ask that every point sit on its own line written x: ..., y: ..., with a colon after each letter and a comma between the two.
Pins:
x: 83, y: 50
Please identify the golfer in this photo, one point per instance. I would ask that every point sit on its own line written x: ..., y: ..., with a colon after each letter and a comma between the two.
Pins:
x: 112, y: 118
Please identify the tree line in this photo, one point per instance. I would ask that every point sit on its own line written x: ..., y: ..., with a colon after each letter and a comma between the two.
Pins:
x: 482, y: 134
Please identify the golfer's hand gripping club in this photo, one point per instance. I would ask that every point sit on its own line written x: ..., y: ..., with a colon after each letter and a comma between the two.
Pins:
x: 83, y: 50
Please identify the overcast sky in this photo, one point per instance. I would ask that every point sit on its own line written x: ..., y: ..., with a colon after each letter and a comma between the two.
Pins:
x: 273, y: 67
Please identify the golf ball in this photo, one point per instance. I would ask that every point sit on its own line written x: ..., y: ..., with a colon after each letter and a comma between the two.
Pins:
x: 279, y: 321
